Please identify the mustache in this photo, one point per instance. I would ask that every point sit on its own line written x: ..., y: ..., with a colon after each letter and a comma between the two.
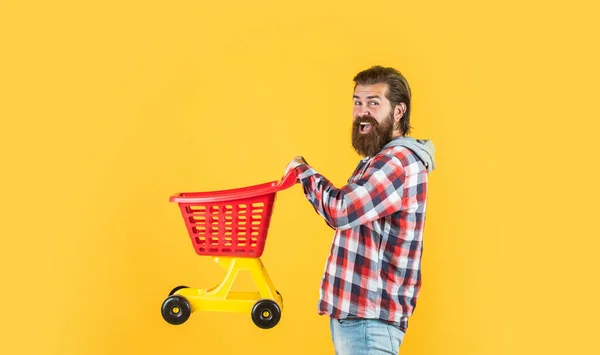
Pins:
x: 365, y: 119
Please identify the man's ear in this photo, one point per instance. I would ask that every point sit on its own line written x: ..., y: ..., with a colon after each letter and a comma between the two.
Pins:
x: 399, y: 111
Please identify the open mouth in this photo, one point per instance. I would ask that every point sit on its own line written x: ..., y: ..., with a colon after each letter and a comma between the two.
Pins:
x: 365, y: 127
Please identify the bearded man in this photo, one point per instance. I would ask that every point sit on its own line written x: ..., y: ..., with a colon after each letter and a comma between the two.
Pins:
x: 372, y: 276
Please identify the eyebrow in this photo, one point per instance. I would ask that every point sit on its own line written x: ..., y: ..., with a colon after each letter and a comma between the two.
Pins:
x: 368, y: 97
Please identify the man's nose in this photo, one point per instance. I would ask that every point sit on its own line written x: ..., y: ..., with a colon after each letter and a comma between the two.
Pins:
x: 365, y: 112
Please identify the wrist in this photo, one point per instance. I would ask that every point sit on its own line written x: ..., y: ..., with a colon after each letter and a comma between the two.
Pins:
x: 300, y: 169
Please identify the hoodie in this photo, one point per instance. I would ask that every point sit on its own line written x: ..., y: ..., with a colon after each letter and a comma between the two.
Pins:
x: 423, y: 148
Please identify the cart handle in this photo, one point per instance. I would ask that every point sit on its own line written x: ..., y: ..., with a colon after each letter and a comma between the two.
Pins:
x: 286, y: 182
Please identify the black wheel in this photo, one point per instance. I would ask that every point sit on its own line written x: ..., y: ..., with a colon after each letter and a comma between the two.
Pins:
x: 176, y: 289
x: 266, y: 314
x: 176, y: 310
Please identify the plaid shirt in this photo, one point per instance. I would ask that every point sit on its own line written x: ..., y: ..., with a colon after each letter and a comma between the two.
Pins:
x: 374, y: 267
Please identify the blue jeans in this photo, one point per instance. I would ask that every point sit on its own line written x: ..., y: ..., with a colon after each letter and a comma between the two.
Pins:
x: 365, y: 336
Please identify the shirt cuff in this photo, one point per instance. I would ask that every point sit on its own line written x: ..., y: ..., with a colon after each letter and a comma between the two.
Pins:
x: 304, y: 171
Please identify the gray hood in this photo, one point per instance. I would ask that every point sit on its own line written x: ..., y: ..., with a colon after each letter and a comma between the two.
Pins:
x: 423, y: 148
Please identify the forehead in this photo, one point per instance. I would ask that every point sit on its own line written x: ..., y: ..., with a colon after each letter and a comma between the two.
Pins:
x: 363, y: 91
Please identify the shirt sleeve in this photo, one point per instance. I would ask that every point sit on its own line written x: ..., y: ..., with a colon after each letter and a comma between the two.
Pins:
x: 378, y: 193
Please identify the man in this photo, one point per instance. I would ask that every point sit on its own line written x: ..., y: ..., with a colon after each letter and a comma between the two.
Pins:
x: 373, y: 272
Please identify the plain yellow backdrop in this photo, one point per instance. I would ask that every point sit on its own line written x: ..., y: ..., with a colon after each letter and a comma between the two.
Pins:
x: 107, y: 108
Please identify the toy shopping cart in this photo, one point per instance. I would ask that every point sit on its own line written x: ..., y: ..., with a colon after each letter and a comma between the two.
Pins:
x: 231, y: 227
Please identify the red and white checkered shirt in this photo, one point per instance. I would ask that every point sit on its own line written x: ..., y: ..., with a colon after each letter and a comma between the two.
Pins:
x: 374, y: 267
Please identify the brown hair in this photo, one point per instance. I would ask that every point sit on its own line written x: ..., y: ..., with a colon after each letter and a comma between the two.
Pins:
x: 398, y: 90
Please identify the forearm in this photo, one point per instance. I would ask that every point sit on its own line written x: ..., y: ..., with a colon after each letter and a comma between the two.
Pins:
x: 373, y: 196
x: 377, y: 194
x: 326, y: 199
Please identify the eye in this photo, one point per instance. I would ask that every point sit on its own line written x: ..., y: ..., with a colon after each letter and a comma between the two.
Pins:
x: 357, y: 103
x: 374, y: 103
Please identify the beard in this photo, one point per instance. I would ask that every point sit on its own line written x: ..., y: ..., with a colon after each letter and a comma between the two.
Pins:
x: 369, y: 144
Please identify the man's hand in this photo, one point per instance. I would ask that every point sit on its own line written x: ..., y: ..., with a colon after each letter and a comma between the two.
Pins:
x: 294, y: 163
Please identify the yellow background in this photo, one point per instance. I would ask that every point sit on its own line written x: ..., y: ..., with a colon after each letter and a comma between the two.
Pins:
x: 107, y: 108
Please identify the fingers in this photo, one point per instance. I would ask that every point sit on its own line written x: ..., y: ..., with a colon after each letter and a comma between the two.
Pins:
x: 299, y: 160
x: 291, y: 165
